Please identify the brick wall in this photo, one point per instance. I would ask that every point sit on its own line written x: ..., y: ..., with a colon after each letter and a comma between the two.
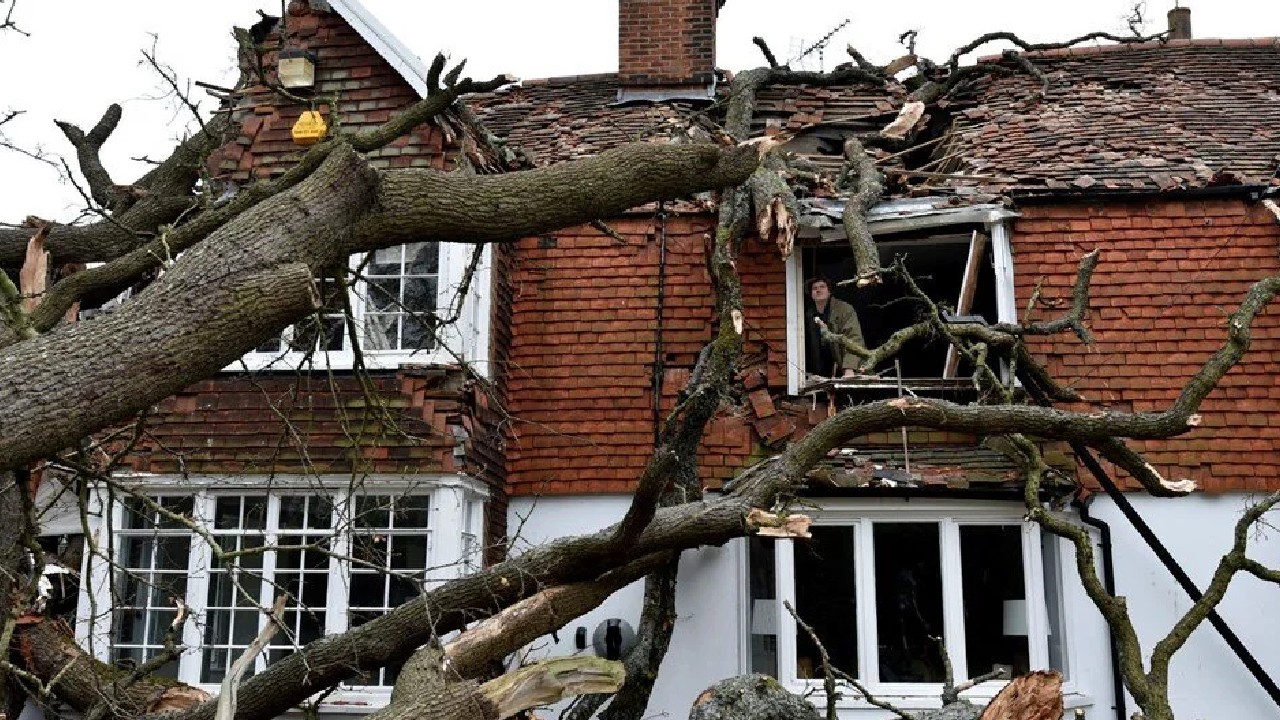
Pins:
x: 1170, y: 274
x: 322, y: 423
x: 582, y: 356
x: 666, y: 42
x: 369, y: 92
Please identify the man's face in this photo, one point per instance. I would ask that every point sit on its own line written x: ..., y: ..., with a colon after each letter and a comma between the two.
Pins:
x: 819, y: 292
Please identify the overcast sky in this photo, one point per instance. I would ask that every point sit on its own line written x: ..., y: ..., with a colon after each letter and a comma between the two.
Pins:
x: 84, y: 54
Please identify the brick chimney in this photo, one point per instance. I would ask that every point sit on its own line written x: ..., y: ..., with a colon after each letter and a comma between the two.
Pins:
x: 666, y: 48
x: 1180, y: 23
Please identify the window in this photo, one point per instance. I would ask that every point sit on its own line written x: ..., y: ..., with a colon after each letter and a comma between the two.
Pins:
x: 882, y: 581
x: 340, y: 558
x: 394, y: 301
x: 960, y: 259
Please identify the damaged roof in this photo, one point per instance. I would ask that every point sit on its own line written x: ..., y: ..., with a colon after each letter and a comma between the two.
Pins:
x: 1147, y: 117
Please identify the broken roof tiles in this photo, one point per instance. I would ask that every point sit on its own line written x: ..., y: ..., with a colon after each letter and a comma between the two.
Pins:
x: 1141, y: 117
x: 1150, y: 117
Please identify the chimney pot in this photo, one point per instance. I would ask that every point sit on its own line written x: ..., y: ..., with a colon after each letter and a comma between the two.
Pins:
x: 1180, y: 23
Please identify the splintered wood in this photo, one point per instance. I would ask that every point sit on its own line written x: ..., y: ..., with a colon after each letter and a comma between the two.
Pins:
x: 1034, y: 696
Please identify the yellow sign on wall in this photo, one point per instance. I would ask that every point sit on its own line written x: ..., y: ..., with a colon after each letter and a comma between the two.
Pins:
x: 310, y: 128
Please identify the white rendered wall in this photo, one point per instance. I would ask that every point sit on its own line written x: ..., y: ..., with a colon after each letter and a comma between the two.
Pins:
x: 1207, y: 681
x: 704, y: 646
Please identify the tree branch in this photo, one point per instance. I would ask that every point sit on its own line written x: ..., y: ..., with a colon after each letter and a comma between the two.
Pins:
x: 87, y: 146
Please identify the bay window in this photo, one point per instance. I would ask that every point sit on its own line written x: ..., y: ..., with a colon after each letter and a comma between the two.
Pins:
x: 889, y: 585
x: 341, y: 558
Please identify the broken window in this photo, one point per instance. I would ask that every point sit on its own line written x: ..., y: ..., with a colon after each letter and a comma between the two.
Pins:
x: 966, y: 268
x: 886, y: 587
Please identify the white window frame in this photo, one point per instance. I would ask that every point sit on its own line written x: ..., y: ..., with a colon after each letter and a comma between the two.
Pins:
x: 456, y: 506
x: 862, y: 514
x: 467, y: 340
x: 998, y: 224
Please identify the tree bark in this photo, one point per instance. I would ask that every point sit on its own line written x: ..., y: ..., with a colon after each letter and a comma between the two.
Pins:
x: 750, y: 697
x: 252, y: 277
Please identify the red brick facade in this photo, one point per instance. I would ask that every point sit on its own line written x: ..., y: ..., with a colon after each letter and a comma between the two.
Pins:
x: 417, y: 421
x: 666, y: 42
x: 582, y: 359
x: 1171, y: 273
x: 369, y: 91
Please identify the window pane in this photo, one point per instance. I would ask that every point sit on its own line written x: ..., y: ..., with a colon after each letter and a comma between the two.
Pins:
x: 420, y: 294
x: 995, y: 606
x: 372, y: 511
x: 255, y: 512
x: 177, y: 505
x: 380, y: 332
x: 763, y: 616
x: 384, y: 293
x: 411, y: 511
x: 385, y: 261
x: 908, y: 601
x: 1050, y: 549
x: 293, y: 510
x: 418, y: 334
x: 409, y: 553
x: 368, y: 590
x: 825, y: 600
x: 226, y: 515
x: 136, y: 552
x: 422, y: 258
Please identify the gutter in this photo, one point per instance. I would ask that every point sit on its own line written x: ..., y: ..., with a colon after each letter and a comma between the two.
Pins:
x: 1068, y: 196
x: 1109, y: 584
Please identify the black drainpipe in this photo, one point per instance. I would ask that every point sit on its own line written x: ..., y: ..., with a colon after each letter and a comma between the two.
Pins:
x: 659, y: 368
x: 1109, y: 583
x: 1131, y: 514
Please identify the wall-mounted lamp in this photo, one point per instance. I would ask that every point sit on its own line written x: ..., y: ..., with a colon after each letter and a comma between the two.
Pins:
x: 297, y: 68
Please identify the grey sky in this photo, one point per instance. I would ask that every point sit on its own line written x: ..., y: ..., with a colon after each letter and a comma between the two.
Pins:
x: 84, y: 54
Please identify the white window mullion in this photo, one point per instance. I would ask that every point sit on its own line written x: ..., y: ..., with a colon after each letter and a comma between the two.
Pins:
x: 198, y: 564
x: 795, y: 323
x: 953, y: 599
x: 444, y: 542
x: 269, y: 591
x: 865, y: 587
x: 93, y: 616
x: 1002, y: 257
x: 785, y: 591
x: 336, y: 614
x: 1037, y: 610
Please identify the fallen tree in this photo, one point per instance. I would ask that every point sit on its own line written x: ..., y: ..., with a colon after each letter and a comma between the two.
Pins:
x: 247, y: 271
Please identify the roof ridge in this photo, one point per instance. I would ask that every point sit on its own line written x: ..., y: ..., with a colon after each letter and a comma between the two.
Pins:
x: 1090, y: 50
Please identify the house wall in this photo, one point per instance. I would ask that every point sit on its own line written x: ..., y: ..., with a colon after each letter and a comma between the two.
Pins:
x: 367, y: 89
x: 585, y: 326
x: 1207, y: 681
x: 1171, y: 272
x: 325, y: 422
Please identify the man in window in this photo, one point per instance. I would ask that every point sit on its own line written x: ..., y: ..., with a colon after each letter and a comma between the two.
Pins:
x: 828, y: 358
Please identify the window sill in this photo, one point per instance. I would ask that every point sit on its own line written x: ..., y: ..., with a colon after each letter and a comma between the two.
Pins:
x: 339, y: 361
x: 924, y: 696
x: 356, y: 700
